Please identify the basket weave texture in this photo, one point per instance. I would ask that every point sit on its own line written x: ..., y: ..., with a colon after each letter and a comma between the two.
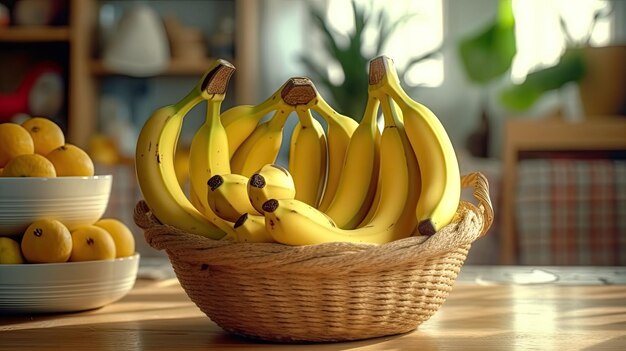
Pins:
x: 326, y: 292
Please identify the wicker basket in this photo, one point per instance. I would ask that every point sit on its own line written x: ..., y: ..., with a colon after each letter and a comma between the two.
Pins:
x: 327, y: 292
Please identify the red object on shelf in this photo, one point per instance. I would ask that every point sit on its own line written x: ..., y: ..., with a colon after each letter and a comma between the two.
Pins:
x: 32, y: 89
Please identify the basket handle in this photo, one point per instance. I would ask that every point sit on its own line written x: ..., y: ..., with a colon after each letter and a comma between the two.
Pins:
x: 480, y: 186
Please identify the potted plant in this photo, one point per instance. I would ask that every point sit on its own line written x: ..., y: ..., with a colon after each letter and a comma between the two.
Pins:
x: 349, y: 95
x: 486, y: 56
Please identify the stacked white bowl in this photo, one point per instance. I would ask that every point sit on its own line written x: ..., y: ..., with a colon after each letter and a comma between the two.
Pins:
x: 74, y: 201
x: 65, y: 287
x: 59, y: 287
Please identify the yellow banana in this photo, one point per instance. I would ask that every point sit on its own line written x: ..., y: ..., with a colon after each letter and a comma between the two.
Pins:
x: 228, y: 196
x: 273, y: 210
x: 250, y: 228
x: 270, y: 182
x: 154, y: 164
x: 241, y: 120
x: 262, y: 146
x: 407, y: 221
x: 359, y: 175
x: 441, y: 182
x: 308, y: 157
x: 208, y: 154
x: 295, y: 223
x: 339, y: 131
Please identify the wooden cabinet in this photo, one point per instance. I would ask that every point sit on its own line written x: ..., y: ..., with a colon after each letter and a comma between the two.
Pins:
x: 550, y: 134
x: 84, y: 68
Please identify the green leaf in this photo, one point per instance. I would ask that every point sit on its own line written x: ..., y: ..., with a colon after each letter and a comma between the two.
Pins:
x: 489, y: 53
x: 571, y: 68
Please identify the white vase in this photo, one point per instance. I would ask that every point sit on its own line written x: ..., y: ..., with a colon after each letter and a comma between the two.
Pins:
x: 138, y: 45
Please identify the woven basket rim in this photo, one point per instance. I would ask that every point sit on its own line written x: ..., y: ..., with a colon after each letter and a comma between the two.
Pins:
x: 339, y: 256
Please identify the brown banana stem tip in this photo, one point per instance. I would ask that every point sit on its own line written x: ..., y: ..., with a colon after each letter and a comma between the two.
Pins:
x: 257, y: 181
x: 298, y: 91
x: 216, y: 81
x: 378, y: 69
x: 241, y: 220
x: 215, y: 182
x: 426, y: 227
x: 270, y: 205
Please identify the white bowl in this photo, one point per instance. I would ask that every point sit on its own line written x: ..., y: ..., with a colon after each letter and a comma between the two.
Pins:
x: 74, y: 201
x: 65, y: 287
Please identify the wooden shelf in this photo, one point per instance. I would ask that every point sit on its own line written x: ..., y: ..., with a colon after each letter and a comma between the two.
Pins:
x: 35, y: 34
x: 84, y: 72
x: 177, y: 67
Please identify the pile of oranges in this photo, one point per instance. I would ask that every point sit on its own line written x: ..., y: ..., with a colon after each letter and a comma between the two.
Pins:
x: 49, y: 241
x: 37, y: 148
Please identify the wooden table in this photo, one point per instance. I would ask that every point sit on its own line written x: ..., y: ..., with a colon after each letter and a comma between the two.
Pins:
x: 157, y: 315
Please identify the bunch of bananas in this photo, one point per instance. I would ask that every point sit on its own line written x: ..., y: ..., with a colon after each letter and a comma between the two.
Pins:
x: 347, y: 182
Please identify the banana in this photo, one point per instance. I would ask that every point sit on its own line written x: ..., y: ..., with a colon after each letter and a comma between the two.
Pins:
x: 359, y: 175
x: 262, y: 146
x: 271, y: 181
x: 393, y: 114
x: 228, y: 196
x: 241, y: 120
x: 293, y: 222
x: 250, y: 228
x: 208, y: 154
x: 308, y: 157
x: 407, y: 221
x: 441, y: 181
x: 339, y: 131
x: 154, y: 164
x: 273, y: 210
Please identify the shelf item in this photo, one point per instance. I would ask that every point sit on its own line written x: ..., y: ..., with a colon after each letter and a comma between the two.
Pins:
x: 139, y: 44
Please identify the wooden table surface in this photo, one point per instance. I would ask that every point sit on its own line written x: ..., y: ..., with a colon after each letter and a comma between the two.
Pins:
x: 157, y: 315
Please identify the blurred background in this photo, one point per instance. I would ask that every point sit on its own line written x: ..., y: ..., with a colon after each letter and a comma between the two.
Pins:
x: 531, y: 92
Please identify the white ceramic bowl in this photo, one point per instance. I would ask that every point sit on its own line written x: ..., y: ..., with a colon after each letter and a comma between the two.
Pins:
x: 74, y: 201
x: 65, y: 287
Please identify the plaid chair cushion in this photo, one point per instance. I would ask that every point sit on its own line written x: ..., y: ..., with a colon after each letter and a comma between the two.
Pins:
x: 571, y: 212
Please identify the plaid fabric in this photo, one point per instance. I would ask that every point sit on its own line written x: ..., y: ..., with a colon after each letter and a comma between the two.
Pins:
x: 571, y: 212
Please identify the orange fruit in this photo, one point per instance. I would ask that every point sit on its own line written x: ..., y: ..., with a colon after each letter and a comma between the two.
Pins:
x: 121, y: 234
x: 47, y: 241
x: 91, y: 243
x: 10, y: 252
x: 32, y: 165
x: 14, y: 141
x: 102, y: 149
x: 46, y: 134
x: 70, y: 160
